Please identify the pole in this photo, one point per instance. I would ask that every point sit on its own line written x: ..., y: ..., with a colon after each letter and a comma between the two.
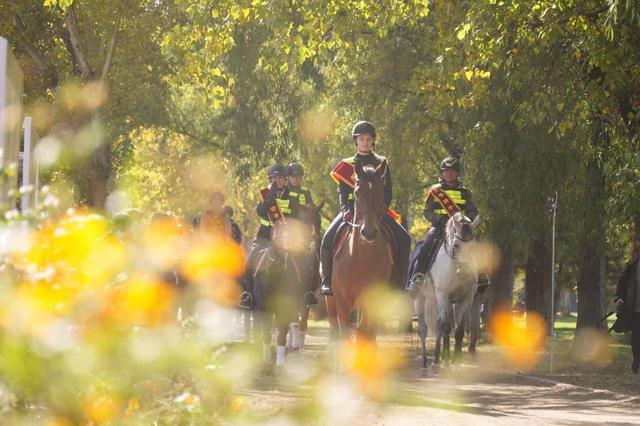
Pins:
x: 553, y: 261
x: 553, y: 207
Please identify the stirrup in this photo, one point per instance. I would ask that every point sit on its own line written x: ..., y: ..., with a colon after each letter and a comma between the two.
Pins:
x: 310, y: 299
x: 417, y: 280
x: 246, y: 301
x: 326, y: 290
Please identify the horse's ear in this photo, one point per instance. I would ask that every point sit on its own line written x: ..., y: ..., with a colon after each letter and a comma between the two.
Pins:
x: 475, y: 222
x: 381, y: 170
x: 358, y: 168
x: 321, y: 205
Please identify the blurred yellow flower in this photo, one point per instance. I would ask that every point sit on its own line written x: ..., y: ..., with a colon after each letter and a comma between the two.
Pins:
x: 522, y: 345
x: 100, y: 409
x: 212, y: 257
x: 140, y: 300
x: 163, y: 241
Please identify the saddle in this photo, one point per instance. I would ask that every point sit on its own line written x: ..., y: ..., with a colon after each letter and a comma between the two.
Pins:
x: 431, y: 254
x: 345, y: 229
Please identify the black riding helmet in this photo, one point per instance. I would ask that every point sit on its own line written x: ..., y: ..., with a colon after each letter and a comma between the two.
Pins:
x: 362, y: 127
x: 450, y: 163
x: 276, y: 170
x: 295, y: 169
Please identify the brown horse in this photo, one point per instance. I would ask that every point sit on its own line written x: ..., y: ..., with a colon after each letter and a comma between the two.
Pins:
x: 364, y: 259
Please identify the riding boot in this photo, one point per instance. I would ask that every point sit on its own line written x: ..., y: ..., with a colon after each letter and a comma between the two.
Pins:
x: 326, y: 266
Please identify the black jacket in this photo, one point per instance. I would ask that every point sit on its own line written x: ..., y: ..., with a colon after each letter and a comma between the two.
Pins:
x: 346, y: 192
x: 626, y: 290
x: 432, y: 208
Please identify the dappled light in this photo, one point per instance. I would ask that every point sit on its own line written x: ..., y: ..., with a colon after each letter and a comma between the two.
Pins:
x: 178, y: 189
x: 592, y: 347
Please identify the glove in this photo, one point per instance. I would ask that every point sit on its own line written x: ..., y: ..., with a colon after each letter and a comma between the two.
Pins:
x: 273, y: 190
x: 347, y: 216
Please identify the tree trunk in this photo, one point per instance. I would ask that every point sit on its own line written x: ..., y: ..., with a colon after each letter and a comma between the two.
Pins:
x: 591, y: 275
x: 636, y: 236
x: 538, y: 280
x: 502, y: 291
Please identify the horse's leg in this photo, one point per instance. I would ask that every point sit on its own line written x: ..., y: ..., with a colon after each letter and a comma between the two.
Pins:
x: 304, y: 324
x: 444, y: 324
x: 246, y: 318
x: 460, y: 314
x: 281, y: 342
x: 420, y: 309
x: 343, y: 312
x: 474, y: 322
x: 332, y: 314
x: 436, y: 350
x: 266, y: 321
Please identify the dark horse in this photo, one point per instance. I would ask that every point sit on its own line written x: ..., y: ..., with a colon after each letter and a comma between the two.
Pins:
x: 364, y: 259
x: 278, y: 290
x: 310, y: 265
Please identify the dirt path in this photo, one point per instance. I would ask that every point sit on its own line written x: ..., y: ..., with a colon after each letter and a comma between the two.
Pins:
x: 465, y: 394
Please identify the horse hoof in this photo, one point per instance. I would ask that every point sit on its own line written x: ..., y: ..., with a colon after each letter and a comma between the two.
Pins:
x: 424, y: 372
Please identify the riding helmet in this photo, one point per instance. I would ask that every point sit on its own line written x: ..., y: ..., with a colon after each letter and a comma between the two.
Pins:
x: 362, y: 127
x: 276, y: 170
x: 450, y: 163
x: 295, y: 169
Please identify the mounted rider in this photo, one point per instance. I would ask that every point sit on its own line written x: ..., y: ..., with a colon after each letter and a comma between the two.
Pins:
x: 275, y: 206
x: 363, y: 135
x: 443, y: 200
x: 295, y: 172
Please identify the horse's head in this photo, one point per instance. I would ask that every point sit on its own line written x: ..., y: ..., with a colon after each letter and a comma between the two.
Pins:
x: 369, y: 198
x: 460, y: 230
x: 311, y: 216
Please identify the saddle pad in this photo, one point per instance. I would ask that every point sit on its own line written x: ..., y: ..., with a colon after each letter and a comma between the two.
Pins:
x: 392, y: 244
x: 341, y: 237
x: 345, y: 230
x: 433, y: 253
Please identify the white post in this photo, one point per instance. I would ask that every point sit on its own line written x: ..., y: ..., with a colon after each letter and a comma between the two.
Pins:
x: 11, y: 87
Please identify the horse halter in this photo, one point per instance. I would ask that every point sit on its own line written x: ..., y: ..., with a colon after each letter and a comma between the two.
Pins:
x: 378, y: 209
x: 450, y: 244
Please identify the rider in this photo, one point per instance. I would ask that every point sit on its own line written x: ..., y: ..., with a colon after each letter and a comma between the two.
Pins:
x: 364, y: 136
x: 275, y: 206
x: 295, y: 172
x: 447, y: 192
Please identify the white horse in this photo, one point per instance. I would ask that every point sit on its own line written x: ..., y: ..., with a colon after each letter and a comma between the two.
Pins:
x: 453, y: 279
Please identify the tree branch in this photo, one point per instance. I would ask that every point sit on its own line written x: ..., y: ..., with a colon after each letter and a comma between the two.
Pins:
x: 74, y: 36
x: 112, y: 47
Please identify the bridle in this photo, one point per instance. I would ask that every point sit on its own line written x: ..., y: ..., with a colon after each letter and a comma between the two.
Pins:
x: 450, y: 243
